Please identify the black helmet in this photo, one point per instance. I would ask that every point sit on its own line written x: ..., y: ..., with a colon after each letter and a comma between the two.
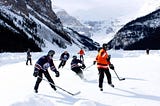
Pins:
x: 74, y: 57
x: 104, y: 46
x: 51, y: 53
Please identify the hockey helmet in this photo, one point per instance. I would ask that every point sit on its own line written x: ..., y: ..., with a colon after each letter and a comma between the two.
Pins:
x: 104, y: 46
x: 51, y: 53
x: 74, y: 57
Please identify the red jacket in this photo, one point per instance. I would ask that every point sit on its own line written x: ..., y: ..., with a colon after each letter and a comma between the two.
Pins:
x: 101, y: 59
x: 81, y: 52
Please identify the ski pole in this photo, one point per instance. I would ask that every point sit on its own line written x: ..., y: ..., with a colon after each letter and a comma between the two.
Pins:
x: 73, y: 94
x: 118, y: 76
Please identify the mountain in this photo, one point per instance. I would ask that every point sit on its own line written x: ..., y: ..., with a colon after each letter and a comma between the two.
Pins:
x: 31, y: 23
x: 139, y: 34
x: 71, y: 22
x: 93, y: 12
x: 78, y: 31
x: 103, y: 30
x: 91, y: 28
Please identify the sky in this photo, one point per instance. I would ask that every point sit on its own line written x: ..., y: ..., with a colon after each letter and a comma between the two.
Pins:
x: 100, y: 9
x: 140, y: 87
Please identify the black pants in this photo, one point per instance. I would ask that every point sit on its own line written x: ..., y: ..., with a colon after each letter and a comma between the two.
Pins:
x: 62, y: 63
x: 47, y: 75
x: 78, y: 71
x: 81, y: 58
x: 103, y: 71
x: 29, y: 59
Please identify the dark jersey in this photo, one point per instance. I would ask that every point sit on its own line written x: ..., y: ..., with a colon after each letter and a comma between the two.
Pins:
x: 74, y: 63
x: 28, y: 54
x: 44, y: 63
x: 64, y: 56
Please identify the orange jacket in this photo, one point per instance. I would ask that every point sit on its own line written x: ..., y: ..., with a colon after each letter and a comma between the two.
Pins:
x: 81, y: 52
x: 101, y: 59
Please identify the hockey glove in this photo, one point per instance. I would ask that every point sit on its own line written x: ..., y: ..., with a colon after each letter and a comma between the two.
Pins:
x: 111, y: 66
x: 83, y: 66
x: 57, y: 73
x: 94, y: 62
x: 35, y: 74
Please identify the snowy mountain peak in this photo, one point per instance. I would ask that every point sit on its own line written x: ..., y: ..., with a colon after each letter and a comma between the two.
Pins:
x: 72, y: 22
x: 35, y: 23
x: 139, y: 34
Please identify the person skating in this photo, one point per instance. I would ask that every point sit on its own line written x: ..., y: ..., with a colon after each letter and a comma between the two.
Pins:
x: 75, y: 67
x: 103, y: 64
x: 147, y: 51
x: 41, y: 67
x: 29, y: 57
x: 64, y: 57
x: 81, y: 53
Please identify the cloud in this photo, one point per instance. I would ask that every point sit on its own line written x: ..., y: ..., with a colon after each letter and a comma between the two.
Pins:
x: 102, y: 8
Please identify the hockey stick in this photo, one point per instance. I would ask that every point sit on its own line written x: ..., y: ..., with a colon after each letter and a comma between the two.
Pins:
x: 88, y: 67
x: 73, y: 94
x: 118, y: 76
x: 56, y: 60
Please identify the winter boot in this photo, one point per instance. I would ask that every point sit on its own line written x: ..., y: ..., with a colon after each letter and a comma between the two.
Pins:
x: 101, y: 89
x: 36, y: 91
x: 111, y: 85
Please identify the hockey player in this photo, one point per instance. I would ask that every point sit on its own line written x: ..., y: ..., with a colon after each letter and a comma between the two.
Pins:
x: 103, y: 64
x: 41, y: 67
x: 29, y: 57
x: 81, y: 53
x: 75, y: 67
x: 64, y: 57
x: 147, y: 51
